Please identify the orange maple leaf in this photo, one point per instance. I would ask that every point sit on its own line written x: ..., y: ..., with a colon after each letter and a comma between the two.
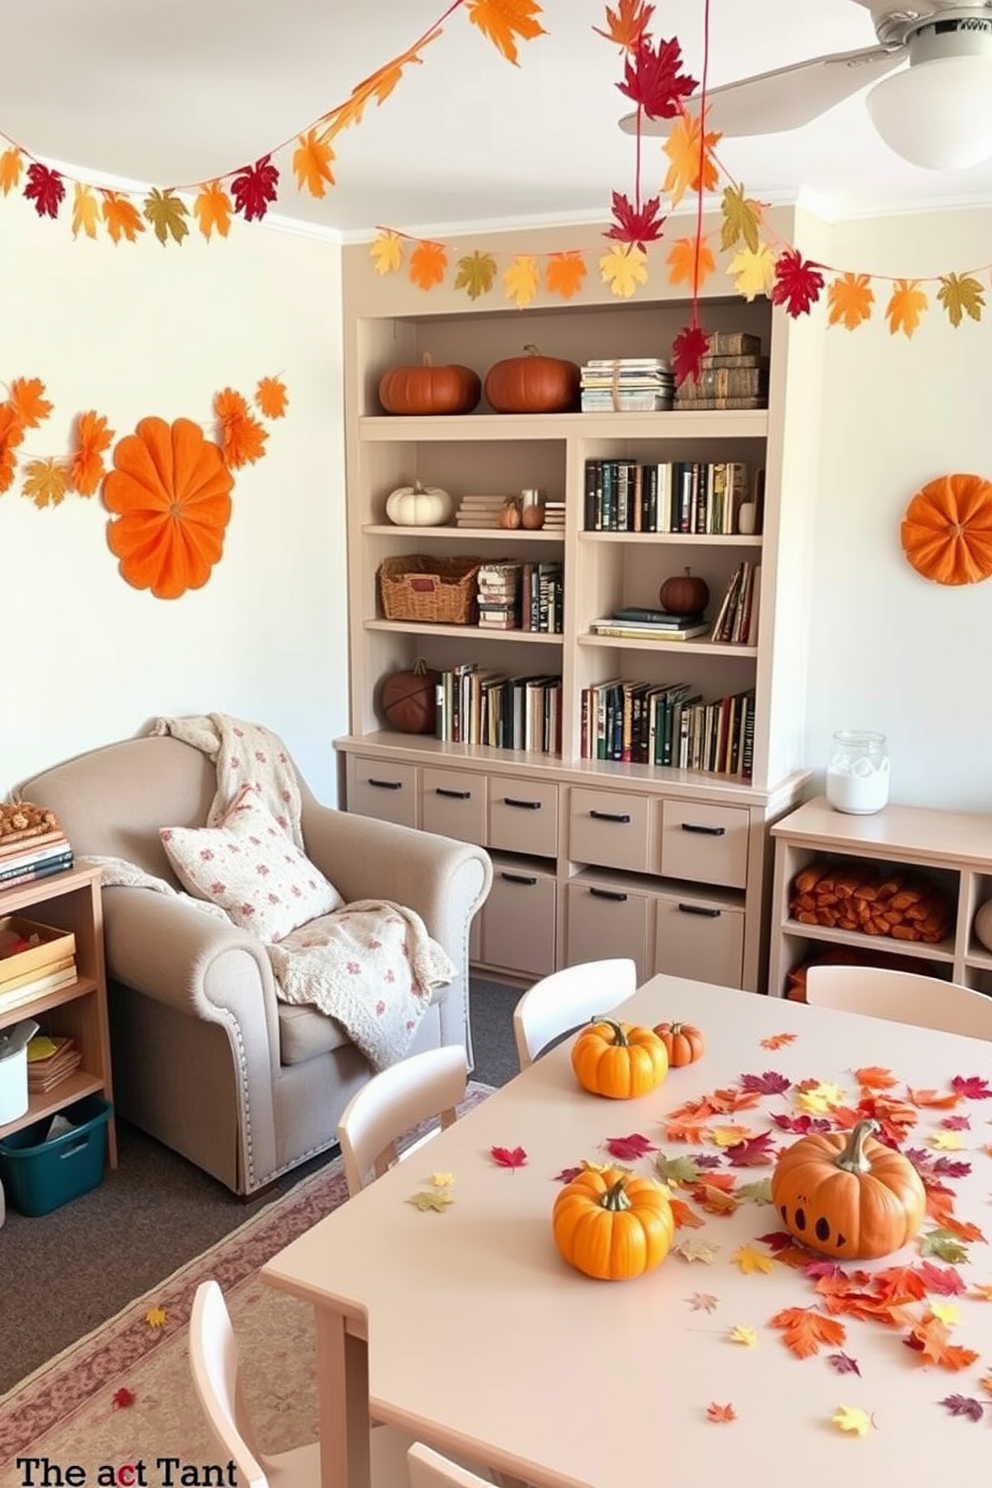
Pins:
x: 734, y: 1100
x: 684, y: 1217
x: 502, y: 20
x: 378, y: 86
x: 10, y: 170
x: 213, y: 208
x: 11, y: 434
x: 850, y: 298
x: 906, y: 304
x: 874, y: 1077
x: 27, y: 398
x: 778, y: 1040
x: 312, y: 162
x: 986, y: 1383
x: 805, y: 1330
x: 715, y: 1200
x: 983, y: 1291
x: 932, y: 1099
x: 683, y: 148
x: 428, y: 265
x: 565, y: 273
x: 793, y: 1256
x: 929, y: 1338
x: 92, y: 438
x: 122, y: 217
x: 626, y: 25
x: 896, y: 1283
x: 685, y: 1131
x: 684, y: 263
x: 716, y: 1412
x: 271, y: 397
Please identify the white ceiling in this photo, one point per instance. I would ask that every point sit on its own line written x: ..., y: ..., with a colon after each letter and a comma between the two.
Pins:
x: 173, y: 92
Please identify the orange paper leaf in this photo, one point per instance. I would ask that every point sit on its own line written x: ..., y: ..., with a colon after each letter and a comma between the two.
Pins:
x: 428, y: 265
x: 565, y: 273
x: 122, y: 217
x: 803, y: 1330
x: 720, y: 1413
x: 906, y: 304
x: 850, y: 298
x: 684, y: 264
x: 627, y: 24
x: 683, y: 149
x: 271, y: 398
x: 312, y: 162
x: 212, y: 209
x: 502, y: 21
x: 27, y: 399
x: 778, y: 1040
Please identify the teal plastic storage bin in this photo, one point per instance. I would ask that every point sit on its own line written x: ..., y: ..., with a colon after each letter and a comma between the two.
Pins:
x: 40, y: 1176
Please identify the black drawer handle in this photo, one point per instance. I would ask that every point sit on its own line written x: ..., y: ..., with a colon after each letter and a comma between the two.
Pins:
x: 609, y: 894
x: 385, y: 784
x: 613, y: 816
x: 520, y: 878
x: 711, y: 914
x: 439, y: 790
x: 523, y: 805
x: 706, y: 831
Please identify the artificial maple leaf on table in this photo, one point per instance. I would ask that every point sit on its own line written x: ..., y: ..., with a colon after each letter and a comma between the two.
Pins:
x: 770, y: 1083
x: 508, y: 1157
x: 684, y: 1217
x: 753, y: 1152
x: 805, y: 1330
x: 843, y: 1363
x: 432, y: 1200
x: 929, y: 1338
x: 703, y: 1302
x: 750, y: 1260
x: 628, y: 1149
x: 696, y: 1249
x: 852, y: 1418
x: 778, y: 1040
x: 972, y: 1087
x: 720, y: 1413
x: 964, y: 1405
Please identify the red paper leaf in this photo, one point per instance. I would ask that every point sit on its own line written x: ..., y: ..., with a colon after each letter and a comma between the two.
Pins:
x: 720, y: 1413
x: 776, y: 1240
x: 509, y: 1157
x: 944, y: 1280
x: 951, y: 1167
x: 964, y: 1405
x: 635, y: 225
x: 123, y: 1397
x: 830, y: 1269
x: 801, y: 1124
x: 254, y: 187
x: 705, y: 1159
x: 46, y: 189
x: 797, y: 286
x: 652, y: 78
x: 956, y: 1123
x: 769, y: 1083
x: 971, y: 1087
x: 843, y: 1363
x: 629, y: 1148
x: 567, y: 1174
x: 688, y: 350
x: 753, y: 1153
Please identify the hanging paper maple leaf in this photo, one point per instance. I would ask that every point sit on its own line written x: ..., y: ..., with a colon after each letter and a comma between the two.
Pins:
x: 27, y: 399
x: 741, y: 220
x: 906, y: 304
x: 627, y: 25
x: 476, y: 274
x: 242, y: 436
x: 961, y: 296
x: 121, y: 217
x: 623, y: 269
x: 798, y: 283
x: 564, y: 273
x: 85, y: 211
x: 11, y: 435
x: 312, y: 162
x: 212, y: 208
x: 688, y: 350
x: 522, y: 280
x: 86, y: 468
x: 271, y: 397
x: 167, y: 214
x: 850, y: 298
x: 428, y: 265
x: 504, y: 20
x: 683, y: 148
x: 753, y: 273
x: 653, y: 81
x: 692, y: 261
x: 377, y: 86
x: 46, y: 482
x: 10, y: 169
x: 386, y: 252
x: 254, y: 188
x: 637, y: 225
x: 45, y: 188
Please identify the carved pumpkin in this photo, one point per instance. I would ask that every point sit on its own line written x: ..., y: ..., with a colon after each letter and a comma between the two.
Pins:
x: 533, y: 384
x: 685, y: 594
x: 429, y: 389
x: 947, y: 530
x: 618, y: 1060
x: 409, y: 699
x: 612, y: 1224
x: 418, y: 506
x: 683, y: 1043
x: 848, y: 1196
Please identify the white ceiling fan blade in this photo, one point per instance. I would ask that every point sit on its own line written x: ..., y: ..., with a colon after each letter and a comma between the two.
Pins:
x: 786, y: 98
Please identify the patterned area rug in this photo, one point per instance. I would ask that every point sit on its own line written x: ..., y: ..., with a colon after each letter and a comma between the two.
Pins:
x: 122, y: 1395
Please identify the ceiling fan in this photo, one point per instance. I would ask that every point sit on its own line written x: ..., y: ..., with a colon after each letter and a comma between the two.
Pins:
x: 936, y: 112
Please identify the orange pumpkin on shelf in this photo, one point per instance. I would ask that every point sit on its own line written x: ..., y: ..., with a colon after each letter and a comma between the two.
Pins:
x: 533, y: 383
x: 684, y: 594
x: 428, y: 389
x: 683, y: 1043
x: 947, y: 530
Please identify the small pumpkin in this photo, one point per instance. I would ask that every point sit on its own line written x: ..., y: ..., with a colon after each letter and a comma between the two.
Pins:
x: 612, y: 1224
x: 947, y: 530
x: 429, y: 389
x: 509, y: 517
x: 618, y: 1060
x: 848, y: 1196
x: 685, y: 594
x: 532, y: 517
x: 409, y: 699
x: 533, y: 383
x: 683, y: 1043
x: 419, y: 506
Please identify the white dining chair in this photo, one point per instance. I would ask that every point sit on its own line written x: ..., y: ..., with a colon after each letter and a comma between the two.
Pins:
x: 214, y: 1363
x: 901, y: 997
x: 424, y: 1087
x: 566, y: 998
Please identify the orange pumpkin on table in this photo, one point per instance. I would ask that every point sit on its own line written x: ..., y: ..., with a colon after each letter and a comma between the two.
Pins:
x: 612, y: 1224
x: 683, y: 1043
x: 618, y: 1060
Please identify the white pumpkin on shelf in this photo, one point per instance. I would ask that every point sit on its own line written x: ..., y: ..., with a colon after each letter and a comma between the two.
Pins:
x: 983, y: 924
x: 419, y: 506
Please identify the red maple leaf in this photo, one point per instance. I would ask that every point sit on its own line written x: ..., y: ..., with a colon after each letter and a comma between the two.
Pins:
x: 509, y: 1157
x: 972, y: 1087
x: 950, y: 1167
x: 769, y: 1083
x: 652, y: 79
x: 254, y: 187
x: 797, y: 286
x: 956, y: 1123
x: 46, y: 189
x: 629, y: 1148
x: 776, y: 1240
x: 944, y: 1280
x: 964, y: 1405
x: 801, y: 1124
x: 567, y: 1174
x: 843, y: 1363
x: 753, y: 1153
x: 123, y: 1397
x: 632, y: 224
x: 688, y: 350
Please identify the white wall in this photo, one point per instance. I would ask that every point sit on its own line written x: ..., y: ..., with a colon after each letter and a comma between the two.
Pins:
x: 138, y: 330
x: 890, y: 650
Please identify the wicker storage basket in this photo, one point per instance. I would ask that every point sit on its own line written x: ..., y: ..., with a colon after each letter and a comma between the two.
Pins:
x: 424, y: 588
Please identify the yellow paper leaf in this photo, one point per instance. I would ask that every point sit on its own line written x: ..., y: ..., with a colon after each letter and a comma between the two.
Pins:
x: 386, y: 252
x: 753, y: 274
x: 820, y: 1098
x: 750, y: 1260
x: 694, y: 1249
x: 312, y: 162
x: 852, y: 1418
x: 729, y: 1136
x: 522, y: 279
x: 945, y: 1141
x: 167, y: 214
x: 10, y: 170
x: 961, y: 295
x: 45, y: 482
x: 623, y: 269
x: 212, y: 209
x: 565, y: 273
x: 437, y: 1199
x: 683, y: 149
x: 442, y: 1180
x: 122, y: 217
x: 741, y: 219
x: 684, y: 263
x: 850, y: 298
x: 741, y: 1334
x: 156, y: 1317
x: 85, y: 211
x: 428, y: 265
x: 502, y: 21
x: 906, y: 304
x: 476, y: 274
x: 948, y: 1312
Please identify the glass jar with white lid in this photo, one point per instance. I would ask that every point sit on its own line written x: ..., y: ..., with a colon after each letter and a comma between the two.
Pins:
x: 858, y: 772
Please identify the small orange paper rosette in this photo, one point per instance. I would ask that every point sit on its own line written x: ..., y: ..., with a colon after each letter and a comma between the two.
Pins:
x: 947, y: 530
x: 170, y: 491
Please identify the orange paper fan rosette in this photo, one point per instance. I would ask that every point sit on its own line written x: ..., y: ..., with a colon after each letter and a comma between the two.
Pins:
x: 947, y: 530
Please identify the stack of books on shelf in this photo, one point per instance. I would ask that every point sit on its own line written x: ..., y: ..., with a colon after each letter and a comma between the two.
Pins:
x: 50, y: 1061
x: 633, y: 624
x: 668, y: 725
x: 733, y: 374
x: 542, y: 597
x: 554, y: 516
x: 480, y: 511
x: 627, y: 385
x: 499, y: 596
x: 33, y: 959
x: 27, y: 854
x: 690, y: 496
x: 736, y: 620
x: 475, y: 706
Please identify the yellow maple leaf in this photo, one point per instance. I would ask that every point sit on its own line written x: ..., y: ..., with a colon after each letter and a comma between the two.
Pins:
x: 270, y: 397
x: 167, y: 214
x: 818, y: 1099
x: 729, y: 1136
x: 850, y: 298
x: 312, y: 162
x: 741, y: 217
x: 428, y: 265
x: 156, y: 1317
x: 504, y: 20
x: 683, y: 148
x: 213, y: 208
x: 906, y: 304
x: 564, y: 273
x: 852, y: 1418
x: 28, y: 401
x: 945, y: 1141
x: 948, y: 1312
x: 960, y: 295
x: 741, y: 1334
x: 750, y: 1260
x: 753, y: 274
x: 522, y: 280
x: 85, y: 211
x: 442, y: 1180
x: 386, y: 252
x: 10, y: 170
x: 623, y: 268
x: 121, y: 216
x: 685, y: 263
x: 476, y: 274
x: 695, y: 1249
x: 45, y: 482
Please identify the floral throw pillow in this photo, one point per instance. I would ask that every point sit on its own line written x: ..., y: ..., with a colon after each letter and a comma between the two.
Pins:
x: 250, y: 866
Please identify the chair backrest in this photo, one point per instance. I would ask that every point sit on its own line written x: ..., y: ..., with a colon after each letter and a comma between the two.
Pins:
x: 428, y: 1469
x: 901, y: 997
x: 213, y: 1357
x: 417, y: 1089
x: 567, y: 998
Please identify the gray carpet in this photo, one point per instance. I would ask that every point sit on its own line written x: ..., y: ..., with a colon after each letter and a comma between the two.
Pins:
x: 62, y: 1274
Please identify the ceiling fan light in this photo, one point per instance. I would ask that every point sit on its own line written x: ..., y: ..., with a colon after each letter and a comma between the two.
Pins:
x: 937, y: 114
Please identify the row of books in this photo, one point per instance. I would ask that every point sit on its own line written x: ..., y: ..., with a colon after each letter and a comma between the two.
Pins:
x: 626, y: 385
x: 476, y: 706
x: 50, y: 1061
x: 522, y: 596
x: 736, y: 620
x: 668, y: 724
x: 733, y: 374
x: 34, y: 857
x: 23, y: 986
x: 690, y: 496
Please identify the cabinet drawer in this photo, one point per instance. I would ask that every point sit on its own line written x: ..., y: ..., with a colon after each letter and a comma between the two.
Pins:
x: 523, y: 816
x: 606, y: 921
x: 453, y: 803
x: 609, y: 829
x: 705, y: 844
x: 383, y: 789
x: 518, y: 921
x: 701, y: 941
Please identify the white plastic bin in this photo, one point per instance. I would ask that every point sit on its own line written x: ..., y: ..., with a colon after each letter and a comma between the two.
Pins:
x: 13, y: 1086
